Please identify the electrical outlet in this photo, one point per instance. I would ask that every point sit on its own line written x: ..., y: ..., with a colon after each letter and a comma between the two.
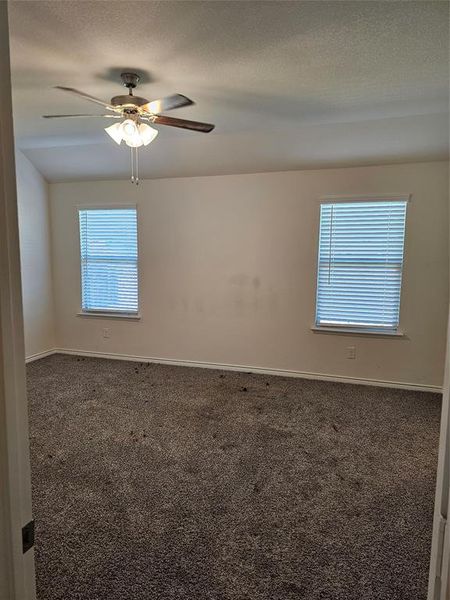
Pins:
x: 351, y: 352
x: 105, y: 333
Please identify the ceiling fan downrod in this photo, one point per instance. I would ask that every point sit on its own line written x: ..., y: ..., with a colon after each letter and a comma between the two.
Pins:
x: 130, y: 81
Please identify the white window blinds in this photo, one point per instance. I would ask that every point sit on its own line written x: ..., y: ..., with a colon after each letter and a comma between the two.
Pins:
x: 360, y: 264
x: 109, y: 254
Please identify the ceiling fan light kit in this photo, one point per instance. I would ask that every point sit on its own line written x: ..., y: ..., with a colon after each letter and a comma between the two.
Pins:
x: 132, y: 133
x: 135, y: 112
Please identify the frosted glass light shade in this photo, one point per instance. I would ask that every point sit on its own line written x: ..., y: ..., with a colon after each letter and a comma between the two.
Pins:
x: 133, y: 141
x: 130, y: 134
x: 147, y: 133
x: 115, y: 131
x: 129, y: 128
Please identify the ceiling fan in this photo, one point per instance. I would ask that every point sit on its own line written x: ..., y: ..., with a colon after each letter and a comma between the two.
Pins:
x: 134, y: 113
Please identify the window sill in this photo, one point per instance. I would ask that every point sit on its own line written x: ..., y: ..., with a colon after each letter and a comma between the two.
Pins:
x: 355, y: 331
x: 110, y: 315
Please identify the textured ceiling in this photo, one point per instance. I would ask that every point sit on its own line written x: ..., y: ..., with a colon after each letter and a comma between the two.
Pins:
x: 288, y: 84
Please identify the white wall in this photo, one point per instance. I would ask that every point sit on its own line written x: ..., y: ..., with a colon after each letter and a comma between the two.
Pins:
x: 34, y: 229
x: 227, y: 268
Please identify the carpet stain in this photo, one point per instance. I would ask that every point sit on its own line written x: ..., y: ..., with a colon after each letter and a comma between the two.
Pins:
x: 177, y: 486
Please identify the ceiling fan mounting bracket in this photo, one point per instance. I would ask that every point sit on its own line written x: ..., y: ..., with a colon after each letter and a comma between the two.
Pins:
x: 130, y: 80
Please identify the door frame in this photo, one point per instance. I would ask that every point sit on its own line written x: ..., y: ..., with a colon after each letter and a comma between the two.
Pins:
x: 17, y: 577
x: 438, y: 588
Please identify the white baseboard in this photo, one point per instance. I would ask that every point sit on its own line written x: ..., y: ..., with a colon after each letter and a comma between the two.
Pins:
x: 249, y: 369
x: 39, y: 355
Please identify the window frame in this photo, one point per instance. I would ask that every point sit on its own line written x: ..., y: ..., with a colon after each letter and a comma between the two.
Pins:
x: 359, y: 330
x: 101, y: 313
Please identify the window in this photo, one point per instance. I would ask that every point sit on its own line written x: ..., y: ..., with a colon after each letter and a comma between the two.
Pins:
x: 109, y: 271
x: 360, y: 264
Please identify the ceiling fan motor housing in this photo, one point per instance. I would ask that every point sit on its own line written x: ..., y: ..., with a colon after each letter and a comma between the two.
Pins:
x: 128, y: 101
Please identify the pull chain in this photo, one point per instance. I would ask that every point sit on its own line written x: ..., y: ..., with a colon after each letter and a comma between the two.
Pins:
x: 134, y: 158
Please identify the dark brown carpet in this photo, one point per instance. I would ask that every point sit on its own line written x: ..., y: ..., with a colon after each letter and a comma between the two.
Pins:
x: 160, y: 483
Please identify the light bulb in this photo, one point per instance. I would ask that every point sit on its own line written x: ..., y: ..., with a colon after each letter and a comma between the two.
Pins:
x: 147, y: 133
x: 115, y: 131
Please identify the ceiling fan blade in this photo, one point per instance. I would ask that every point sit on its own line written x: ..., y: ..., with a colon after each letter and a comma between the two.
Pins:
x: 183, y: 124
x: 82, y: 116
x: 168, y: 103
x: 85, y: 96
